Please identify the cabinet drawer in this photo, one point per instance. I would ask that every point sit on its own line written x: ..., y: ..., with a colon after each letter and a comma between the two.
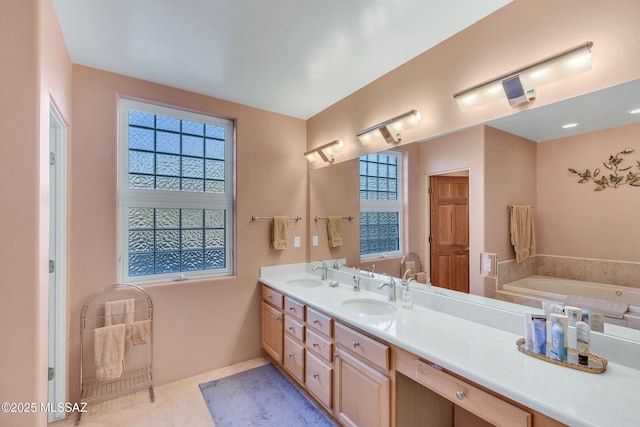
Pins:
x: 319, y: 375
x: 293, y: 327
x: 318, y: 344
x: 272, y: 297
x: 319, y: 321
x: 363, y: 346
x: 294, y: 308
x: 293, y: 358
x: 471, y: 398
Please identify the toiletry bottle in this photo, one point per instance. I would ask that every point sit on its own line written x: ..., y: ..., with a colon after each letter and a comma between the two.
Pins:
x: 558, y: 350
x: 540, y: 335
x: 407, y: 299
x: 596, y: 322
x: 582, y: 343
x: 528, y: 331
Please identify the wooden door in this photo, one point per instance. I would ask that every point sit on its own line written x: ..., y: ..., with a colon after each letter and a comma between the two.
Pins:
x: 449, y: 196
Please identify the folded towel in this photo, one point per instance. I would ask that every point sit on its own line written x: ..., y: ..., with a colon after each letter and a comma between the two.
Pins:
x: 522, y: 232
x: 120, y: 311
x: 334, y: 230
x: 108, y: 351
x: 606, y: 308
x: 279, y: 232
x: 140, y: 332
x: 421, y: 277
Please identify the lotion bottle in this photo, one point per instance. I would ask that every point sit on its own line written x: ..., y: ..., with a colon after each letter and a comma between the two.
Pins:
x: 558, y: 350
x: 582, y: 343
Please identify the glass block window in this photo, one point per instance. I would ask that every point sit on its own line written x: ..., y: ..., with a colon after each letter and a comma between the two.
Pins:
x: 175, y: 196
x: 380, y: 204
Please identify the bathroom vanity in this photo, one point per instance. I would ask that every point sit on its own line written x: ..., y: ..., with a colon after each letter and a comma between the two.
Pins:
x: 371, y: 362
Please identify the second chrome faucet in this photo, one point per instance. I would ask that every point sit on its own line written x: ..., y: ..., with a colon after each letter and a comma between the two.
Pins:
x: 392, y: 288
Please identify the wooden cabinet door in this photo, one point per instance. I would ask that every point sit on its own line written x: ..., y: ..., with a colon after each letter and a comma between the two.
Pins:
x: 450, y: 232
x: 272, y: 332
x: 362, y: 394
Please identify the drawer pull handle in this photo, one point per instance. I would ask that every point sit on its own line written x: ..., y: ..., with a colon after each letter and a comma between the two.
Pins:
x: 356, y: 344
x: 291, y: 328
x: 292, y: 308
x: 315, y: 344
x: 278, y: 318
x: 269, y: 297
x: 316, y: 322
x: 336, y: 355
x: 315, y: 375
x: 291, y: 356
x: 460, y: 395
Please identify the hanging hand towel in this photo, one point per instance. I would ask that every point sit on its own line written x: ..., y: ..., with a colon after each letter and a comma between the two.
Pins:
x: 521, y: 227
x: 108, y: 349
x: 421, y: 277
x: 140, y: 332
x: 279, y: 234
x: 334, y: 231
x: 120, y: 311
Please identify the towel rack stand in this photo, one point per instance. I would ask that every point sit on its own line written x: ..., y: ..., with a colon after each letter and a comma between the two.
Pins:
x: 138, y: 359
x: 317, y: 218
x: 254, y: 218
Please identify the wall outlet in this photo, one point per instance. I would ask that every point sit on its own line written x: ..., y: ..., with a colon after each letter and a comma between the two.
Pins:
x: 314, y: 240
x: 486, y: 266
x: 296, y: 241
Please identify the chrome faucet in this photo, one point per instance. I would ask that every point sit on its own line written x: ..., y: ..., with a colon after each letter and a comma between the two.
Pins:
x: 371, y: 273
x: 392, y: 288
x: 404, y: 276
x: 324, y: 268
x: 356, y: 282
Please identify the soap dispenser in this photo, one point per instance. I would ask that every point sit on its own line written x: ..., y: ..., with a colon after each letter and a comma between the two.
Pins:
x: 407, y: 298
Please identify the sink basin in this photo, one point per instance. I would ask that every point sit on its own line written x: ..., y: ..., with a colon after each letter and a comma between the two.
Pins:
x: 369, y: 306
x: 306, y: 283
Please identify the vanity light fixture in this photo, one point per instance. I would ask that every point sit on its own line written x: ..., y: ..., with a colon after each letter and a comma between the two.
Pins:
x: 520, y: 85
x: 634, y: 111
x: 325, y: 152
x: 569, y: 125
x: 389, y: 130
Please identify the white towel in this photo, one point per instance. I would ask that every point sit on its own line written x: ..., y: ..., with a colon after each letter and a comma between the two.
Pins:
x: 108, y: 351
x: 120, y: 311
x: 604, y: 307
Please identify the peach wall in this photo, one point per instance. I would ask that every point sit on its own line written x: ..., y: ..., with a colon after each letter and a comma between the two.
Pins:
x: 35, y: 68
x: 199, y: 324
x: 463, y: 150
x: 575, y: 220
x: 510, y: 179
x: 520, y: 33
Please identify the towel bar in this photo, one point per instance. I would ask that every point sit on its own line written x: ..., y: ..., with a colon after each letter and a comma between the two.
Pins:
x: 253, y: 218
x: 316, y: 218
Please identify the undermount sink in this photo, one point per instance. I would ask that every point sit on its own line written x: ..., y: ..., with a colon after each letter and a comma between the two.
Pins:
x: 307, y: 283
x: 369, y: 306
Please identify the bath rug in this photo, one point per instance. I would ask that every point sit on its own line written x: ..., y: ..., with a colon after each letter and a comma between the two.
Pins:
x: 259, y: 397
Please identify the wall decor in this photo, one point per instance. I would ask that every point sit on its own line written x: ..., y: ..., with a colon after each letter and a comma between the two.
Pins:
x: 617, y: 176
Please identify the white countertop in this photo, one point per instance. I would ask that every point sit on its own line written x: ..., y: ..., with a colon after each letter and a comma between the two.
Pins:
x: 483, y: 354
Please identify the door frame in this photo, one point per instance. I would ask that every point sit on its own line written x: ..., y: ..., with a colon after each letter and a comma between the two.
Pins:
x: 57, y: 304
x: 427, y: 214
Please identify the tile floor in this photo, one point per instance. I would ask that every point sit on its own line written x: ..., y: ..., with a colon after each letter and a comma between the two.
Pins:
x: 177, y: 404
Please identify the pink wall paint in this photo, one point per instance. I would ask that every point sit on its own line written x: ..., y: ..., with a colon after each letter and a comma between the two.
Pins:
x: 575, y: 220
x: 36, y: 68
x: 199, y: 324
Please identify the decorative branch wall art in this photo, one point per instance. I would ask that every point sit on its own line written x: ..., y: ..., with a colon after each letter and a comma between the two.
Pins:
x: 617, y: 176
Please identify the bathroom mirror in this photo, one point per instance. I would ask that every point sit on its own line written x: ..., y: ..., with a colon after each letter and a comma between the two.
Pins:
x: 334, y: 189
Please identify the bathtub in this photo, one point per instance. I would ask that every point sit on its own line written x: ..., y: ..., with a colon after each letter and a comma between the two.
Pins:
x: 533, y: 290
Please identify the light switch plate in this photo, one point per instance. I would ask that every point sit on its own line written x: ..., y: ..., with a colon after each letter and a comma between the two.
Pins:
x: 296, y: 241
x: 314, y: 240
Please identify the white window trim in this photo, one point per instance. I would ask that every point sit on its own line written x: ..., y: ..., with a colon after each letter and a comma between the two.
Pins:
x: 171, y: 199
x: 388, y: 206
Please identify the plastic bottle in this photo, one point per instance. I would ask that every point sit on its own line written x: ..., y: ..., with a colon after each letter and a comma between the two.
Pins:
x: 558, y: 349
x: 582, y: 343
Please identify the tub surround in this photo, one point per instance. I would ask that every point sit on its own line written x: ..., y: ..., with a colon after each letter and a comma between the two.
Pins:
x: 474, y: 337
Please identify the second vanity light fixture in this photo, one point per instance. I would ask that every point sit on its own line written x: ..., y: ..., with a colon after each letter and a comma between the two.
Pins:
x: 325, y: 152
x: 389, y: 130
x: 519, y: 86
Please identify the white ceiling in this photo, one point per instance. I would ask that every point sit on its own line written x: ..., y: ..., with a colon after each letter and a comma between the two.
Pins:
x: 295, y: 57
